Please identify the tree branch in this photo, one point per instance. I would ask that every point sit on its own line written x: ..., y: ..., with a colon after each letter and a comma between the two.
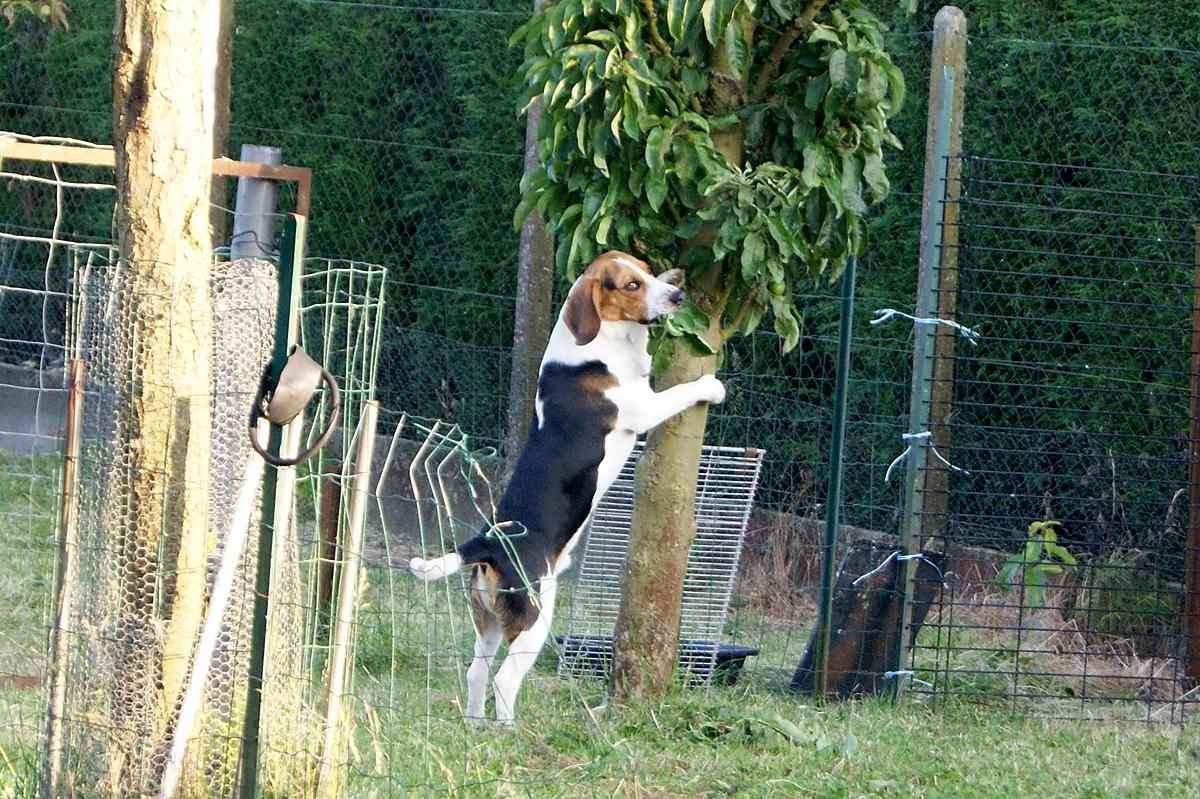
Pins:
x: 799, y: 25
x: 656, y: 38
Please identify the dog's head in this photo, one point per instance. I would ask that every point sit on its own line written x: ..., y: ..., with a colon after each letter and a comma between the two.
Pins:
x: 618, y: 287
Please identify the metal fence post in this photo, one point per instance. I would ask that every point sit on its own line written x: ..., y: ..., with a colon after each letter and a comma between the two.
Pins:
x: 254, y: 209
x: 287, y: 335
x: 833, y: 502
x: 926, y: 495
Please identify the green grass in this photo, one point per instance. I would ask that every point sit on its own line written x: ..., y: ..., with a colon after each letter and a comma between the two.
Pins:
x: 28, y: 508
x: 751, y: 740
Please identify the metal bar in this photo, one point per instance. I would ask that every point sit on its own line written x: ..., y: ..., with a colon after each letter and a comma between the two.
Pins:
x: 68, y: 515
x: 287, y: 334
x: 942, y: 149
x: 1191, y: 562
x: 833, y: 500
x: 103, y: 157
x: 339, y: 656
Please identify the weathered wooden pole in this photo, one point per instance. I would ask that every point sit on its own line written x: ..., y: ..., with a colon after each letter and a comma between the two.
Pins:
x: 1191, y: 557
x: 64, y: 578
x: 532, y: 315
x: 927, y: 479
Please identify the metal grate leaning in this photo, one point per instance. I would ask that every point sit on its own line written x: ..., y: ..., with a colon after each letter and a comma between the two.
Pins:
x: 725, y: 491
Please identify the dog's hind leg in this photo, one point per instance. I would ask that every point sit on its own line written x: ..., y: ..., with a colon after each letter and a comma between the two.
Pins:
x: 487, y: 641
x: 488, y: 634
x: 522, y: 652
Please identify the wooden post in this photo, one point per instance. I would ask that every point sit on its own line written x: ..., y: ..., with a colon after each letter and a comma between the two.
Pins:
x: 927, y: 479
x: 347, y: 605
x: 1191, y: 557
x: 68, y: 516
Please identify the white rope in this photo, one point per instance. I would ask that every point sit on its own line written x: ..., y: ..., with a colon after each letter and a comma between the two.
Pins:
x: 887, y: 314
x: 911, y: 438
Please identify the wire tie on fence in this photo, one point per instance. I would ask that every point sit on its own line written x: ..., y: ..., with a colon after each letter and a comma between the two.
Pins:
x: 899, y: 557
x: 887, y: 314
x: 911, y: 438
x: 912, y: 675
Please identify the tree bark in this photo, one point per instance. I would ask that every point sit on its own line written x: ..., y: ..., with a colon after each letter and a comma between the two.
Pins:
x: 163, y: 108
x: 646, y: 637
x: 220, y: 216
x: 533, y: 314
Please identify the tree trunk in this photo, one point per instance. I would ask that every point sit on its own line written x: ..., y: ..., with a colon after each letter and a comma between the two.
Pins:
x: 532, y: 323
x: 165, y: 56
x: 222, y: 89
x: 646, y: 637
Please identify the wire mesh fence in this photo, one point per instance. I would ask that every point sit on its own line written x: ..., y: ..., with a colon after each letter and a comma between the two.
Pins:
x: 1075, y: 410
x: 1075, y: 265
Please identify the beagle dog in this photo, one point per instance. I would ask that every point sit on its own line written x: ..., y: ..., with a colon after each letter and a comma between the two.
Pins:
x: 593, y: 400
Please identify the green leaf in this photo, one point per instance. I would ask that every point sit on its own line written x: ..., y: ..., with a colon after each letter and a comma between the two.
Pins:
x: 654, y: 151
x: 821, y: 33
x: 895, y: 80
x: 753, y: 252
x: 789, y: 730
x: 838, y: 72
x: 524, y: 207
x: 787, y: 326
x: 656, y: 189
x: 689, y: 318
x: 694, y: 80
x: 814, y: 95
x: 852, y: 186
x: 675, y: 18
x: 661, y: 353
x: 695, y: 346
x: 710, y: 12
x: 736, y: 50
x: 873, y: 172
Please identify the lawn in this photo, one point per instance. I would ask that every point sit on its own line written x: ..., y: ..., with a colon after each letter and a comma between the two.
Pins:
x: 28, y: 507
x: 751, y: 740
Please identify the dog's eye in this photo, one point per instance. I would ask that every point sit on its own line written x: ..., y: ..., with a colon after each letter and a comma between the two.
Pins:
x: 633, y: 285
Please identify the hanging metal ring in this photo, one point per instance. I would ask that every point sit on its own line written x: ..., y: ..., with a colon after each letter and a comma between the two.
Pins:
x: 299, y: 380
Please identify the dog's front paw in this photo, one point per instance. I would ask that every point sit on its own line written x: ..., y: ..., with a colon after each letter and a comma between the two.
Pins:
x: 712, y: 390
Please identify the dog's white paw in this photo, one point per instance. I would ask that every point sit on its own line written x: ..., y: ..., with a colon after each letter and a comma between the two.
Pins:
x: 712, y: 390
x: 419, y: 566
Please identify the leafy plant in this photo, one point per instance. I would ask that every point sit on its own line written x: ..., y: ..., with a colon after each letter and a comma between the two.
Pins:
x: 740, y: 140
x: 1040, y: 557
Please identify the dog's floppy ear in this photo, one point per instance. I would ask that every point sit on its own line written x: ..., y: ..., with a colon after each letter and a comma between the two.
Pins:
x: 582, y: 312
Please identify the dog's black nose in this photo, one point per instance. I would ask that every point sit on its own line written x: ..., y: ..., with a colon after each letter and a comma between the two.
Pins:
x: 677, y: 296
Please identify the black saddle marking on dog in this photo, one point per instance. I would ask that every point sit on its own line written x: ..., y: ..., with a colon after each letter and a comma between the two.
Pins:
x: 552, y: 487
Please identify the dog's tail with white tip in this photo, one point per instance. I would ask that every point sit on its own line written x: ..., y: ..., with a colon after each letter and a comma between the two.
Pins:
x: 437, y: 568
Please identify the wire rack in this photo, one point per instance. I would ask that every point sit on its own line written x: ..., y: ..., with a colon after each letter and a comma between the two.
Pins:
x: 725, y: 488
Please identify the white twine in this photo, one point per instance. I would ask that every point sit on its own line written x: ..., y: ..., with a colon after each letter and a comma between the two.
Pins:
x: 897, y: 556
x: 912, y: 675
x: 887, y: 314
x: 911, y: 438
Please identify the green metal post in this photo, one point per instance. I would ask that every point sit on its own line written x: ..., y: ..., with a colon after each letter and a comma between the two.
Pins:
x: 287, y: 335
x: 942, y: 168
x: 833, y: 503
